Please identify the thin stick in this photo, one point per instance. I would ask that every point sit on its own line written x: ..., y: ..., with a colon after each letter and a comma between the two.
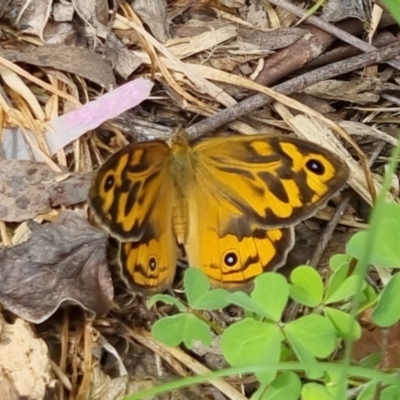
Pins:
x: 292, y: 86
x: 331, y: 29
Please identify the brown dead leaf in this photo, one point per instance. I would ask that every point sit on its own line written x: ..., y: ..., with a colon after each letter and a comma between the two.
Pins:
x: 30, y: 188
x: 71, y: 189
x: 64, y: 261
x: 154, y: 14
x: 76, y: 60
x: 271, y: 40
x: 316, y: 104
x: 196, y: 27
x: 25, y: 369
x: 32, y: 16
x: 385, y: 342
x: 22, y: 189
x: 357, y: 91
x: 336, y: 10
x: 3, y: 6
x: 95, y: 15
x: 257, y: 16
x: 63, y: 12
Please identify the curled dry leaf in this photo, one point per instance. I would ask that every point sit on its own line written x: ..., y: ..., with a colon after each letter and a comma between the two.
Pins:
x: 76, y: 60
x: 30, y: 188
x: 64, y: 261
x: 25, y: 370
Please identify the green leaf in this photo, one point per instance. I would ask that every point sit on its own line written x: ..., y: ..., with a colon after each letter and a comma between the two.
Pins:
x: 198, y: 292
x: 338, y: 277
x: 312, y: 369
x: 391, y: 392
x: 394, y: 8
x: 243, y: 300
x: 166, y: 299
x: 385, y: 251
x: 368, y: 296
x: 181, y: 328
x: 286, y: 386
x: 196, y: 284
x: 346, y: 325
x: 371, y: 391
x: 250, y: 342
x: 315, y: 332
x: 307, y: 286
x: 372, y: 360
x: 315, y: 391
x: 338, y: 261
x: 368, y: 393
x: 271, y: 293
x: 347, y: 289
x: 387, y: 311
x: 212, y: 300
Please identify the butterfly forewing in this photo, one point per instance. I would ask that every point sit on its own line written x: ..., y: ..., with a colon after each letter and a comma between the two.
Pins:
x: 274, y: 180
x: 128, y: 187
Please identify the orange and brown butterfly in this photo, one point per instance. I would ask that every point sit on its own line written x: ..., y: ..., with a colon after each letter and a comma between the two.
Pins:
x: 231, y: 202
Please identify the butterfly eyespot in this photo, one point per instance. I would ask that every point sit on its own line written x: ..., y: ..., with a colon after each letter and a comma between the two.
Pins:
x: 152, y: 263
x: 315, y: 166
x: 230, y: 259
x: 109, y: 182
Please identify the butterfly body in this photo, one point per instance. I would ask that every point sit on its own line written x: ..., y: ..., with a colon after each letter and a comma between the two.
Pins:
x: 231, y: 202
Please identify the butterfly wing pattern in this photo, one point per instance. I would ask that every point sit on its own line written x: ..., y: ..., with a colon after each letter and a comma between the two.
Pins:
x: 133, y: 196
x: 231, y: 202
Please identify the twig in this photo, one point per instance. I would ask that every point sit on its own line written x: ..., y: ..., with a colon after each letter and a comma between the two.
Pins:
x: 291, y: 86
x: 332, y: 29
x: 343, y: 52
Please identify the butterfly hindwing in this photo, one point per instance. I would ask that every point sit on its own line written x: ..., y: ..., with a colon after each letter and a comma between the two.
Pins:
x: 150, y: 263
x: 231, y: 250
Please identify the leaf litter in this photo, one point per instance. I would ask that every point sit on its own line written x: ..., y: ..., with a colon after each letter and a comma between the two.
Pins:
x: 60, y: 118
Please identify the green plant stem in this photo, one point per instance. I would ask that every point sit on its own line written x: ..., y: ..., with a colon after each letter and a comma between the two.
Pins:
x: 363, y: 262
x: 211, y: 324
x: 355, y: 371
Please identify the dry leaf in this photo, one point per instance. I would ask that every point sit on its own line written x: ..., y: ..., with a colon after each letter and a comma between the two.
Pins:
x: 3, y: 6
x: 30, y: 188
x: 69, y: 189
x: 271, y: 40
x: 336, y: 10
x: 356, y: 91
x: 22, y: 189
x: 64, y: 261
x: 154, y: 14
x: 95, y: 15
x: 25, y: 370
x: 33, y: 16
x: 63, y: 12
x: 257, y: 16
x: 76, y: 60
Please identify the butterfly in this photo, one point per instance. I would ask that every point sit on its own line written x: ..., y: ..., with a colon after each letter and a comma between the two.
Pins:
x: 229, y: 202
